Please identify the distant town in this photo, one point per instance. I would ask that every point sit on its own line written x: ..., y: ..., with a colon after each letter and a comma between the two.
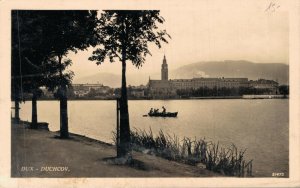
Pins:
x: 166, y: 88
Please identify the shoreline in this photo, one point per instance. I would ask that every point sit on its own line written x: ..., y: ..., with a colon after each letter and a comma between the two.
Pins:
x: 86, y: 162
x: 168, y: 99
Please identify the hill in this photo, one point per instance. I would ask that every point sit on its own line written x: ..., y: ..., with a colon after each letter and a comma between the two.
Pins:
x: 229, y: 69
x: 112, y: 80
x: 234, y: 69
x: 108, y: 79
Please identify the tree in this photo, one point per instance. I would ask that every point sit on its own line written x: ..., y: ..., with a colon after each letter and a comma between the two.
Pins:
x: 53, y: 76
x: 16, y: 83
x: 32, y: 62
x: 67, y: 31
x: 283, y: 90
x: 125, y: 36
x: 27, y: 56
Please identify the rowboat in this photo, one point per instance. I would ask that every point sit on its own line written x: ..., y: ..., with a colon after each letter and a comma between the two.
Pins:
x: 167, y: 114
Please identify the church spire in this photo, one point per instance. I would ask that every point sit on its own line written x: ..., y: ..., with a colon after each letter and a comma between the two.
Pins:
x: 165, y: 60
x: 164, y: 69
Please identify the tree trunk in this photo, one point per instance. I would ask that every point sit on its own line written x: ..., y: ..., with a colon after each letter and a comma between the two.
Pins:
x: 17, y: 107
x: 64, y: 130
x: 34, y: 124
x: 124, y: 149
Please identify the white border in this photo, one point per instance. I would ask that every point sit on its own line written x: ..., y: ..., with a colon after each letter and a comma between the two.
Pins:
x: 292, y: 6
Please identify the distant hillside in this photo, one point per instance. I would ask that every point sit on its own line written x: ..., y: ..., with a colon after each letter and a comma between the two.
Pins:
x: 109, y: 79
x: 273, y: 71
x: 112, y: 80
x: 246, y: 69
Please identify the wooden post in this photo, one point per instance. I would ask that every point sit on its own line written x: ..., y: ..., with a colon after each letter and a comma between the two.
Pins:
x: 118, y: 128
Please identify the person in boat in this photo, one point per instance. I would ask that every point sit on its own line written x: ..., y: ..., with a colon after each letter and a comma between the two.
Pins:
x: 164, y: 110
x: 151, y: 111
x: 155, y: 111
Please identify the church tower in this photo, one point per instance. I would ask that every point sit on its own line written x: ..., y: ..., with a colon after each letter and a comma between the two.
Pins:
x: 164, y: 69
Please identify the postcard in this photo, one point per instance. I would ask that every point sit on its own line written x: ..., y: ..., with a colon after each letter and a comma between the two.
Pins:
x: 150, y: 93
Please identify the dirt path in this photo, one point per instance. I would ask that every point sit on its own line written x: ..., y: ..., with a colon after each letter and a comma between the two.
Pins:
x: 37, y: 153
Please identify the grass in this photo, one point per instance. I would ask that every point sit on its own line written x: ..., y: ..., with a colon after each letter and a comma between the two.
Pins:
x: 226, y: 160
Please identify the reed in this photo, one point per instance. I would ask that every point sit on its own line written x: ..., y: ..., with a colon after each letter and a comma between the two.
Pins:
x: 226, y: 160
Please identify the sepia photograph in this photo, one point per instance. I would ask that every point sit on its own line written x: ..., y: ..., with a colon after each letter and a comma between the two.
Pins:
x: 165, y: 90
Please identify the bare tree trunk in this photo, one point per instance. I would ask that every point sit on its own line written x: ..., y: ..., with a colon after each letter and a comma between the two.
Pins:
x: 64, y: 130
x: 34, y: 111
x: 17, y: 107
x: 124, y: 117
x: 124, y: 148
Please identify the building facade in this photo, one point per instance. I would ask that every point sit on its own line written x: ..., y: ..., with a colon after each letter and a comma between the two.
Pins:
x: 210, y: 83
x: 161, y: 88
x: 166, y: 88
x: 270, y: 85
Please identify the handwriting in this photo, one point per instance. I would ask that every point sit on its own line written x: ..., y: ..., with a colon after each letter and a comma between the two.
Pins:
x: 272, y: 7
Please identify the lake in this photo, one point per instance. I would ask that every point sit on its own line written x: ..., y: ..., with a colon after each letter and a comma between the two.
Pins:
x: 261, y: 126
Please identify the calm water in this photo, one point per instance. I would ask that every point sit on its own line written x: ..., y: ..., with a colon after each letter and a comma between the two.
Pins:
x: 261, y: 126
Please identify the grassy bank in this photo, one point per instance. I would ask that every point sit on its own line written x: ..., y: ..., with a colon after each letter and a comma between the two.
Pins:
x: 225, y: 160
x: 40, y: 149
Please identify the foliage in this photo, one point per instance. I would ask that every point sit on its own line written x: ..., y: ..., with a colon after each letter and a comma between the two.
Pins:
x: 39, y: 36
x: 69, y: 30
x: 27, y: 53
x: 42, y: 39
x: 284, y: 89
x: 53, y: 79
x: 128, y: 32
x: 226, y: 160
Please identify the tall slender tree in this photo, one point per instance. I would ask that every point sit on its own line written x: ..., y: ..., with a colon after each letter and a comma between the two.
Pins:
x: 15, y: 65
x: 125, y: 36
x: 67, y: 31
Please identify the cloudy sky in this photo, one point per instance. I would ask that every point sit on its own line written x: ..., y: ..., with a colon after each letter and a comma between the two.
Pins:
x: 207, y: 31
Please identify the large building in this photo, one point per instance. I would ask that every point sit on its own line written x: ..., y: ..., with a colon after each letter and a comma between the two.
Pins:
x: 165, y: 87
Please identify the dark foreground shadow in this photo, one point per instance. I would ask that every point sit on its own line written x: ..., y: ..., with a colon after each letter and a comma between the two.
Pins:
x: 59, y: 137
x: 134, y: 163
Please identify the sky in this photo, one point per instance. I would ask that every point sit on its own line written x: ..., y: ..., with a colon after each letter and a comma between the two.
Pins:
x: 208, y: 31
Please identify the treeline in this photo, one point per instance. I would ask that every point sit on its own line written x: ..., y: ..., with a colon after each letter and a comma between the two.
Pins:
x: 224, y: 91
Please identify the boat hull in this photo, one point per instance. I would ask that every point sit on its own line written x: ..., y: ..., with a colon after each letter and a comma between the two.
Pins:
x: 169, y: 114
